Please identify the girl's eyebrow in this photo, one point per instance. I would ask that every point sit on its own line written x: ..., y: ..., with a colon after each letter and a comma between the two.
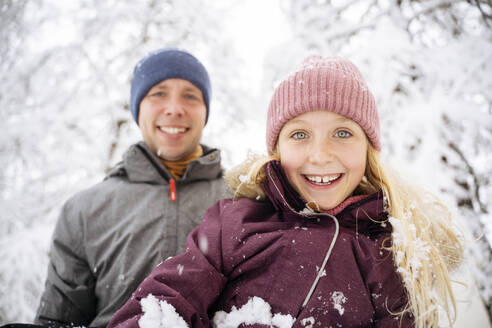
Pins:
x: 344, y: 120
x: 337, y: 120
x: 295, y: 120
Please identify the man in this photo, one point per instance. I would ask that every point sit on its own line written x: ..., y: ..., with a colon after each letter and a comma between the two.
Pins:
x: 108, y: 238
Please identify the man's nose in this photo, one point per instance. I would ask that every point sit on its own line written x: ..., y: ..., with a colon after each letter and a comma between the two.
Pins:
x: 173, y: 107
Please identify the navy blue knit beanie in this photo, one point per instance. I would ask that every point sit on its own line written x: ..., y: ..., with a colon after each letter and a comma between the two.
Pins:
x: 163, y: 64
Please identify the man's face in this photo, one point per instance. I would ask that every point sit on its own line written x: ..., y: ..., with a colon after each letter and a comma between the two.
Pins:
x: 171, y: 118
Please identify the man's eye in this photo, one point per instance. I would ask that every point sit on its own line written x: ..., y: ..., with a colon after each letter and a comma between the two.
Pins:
x: 299, y: 135
x: 343, y: 134
x: 190, y: 97
x: 158, y: 94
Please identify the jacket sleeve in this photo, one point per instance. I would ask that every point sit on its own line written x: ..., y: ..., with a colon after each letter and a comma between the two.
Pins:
x: 68, y: 298
x: 386, y: 287
x: 190, y: 282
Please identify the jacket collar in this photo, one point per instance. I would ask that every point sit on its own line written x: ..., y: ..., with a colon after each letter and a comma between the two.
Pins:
x: 142, y: 165
x: 365, y: 215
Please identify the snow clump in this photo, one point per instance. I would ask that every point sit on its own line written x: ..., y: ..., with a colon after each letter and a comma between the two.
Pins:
x: 159, y: 314
x: 408, y: 239
x: 308, y: 322
x: 338, y: 299
x: 256, y: 311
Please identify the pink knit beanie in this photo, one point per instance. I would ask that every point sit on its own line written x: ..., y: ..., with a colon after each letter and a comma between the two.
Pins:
x: 333, y: 84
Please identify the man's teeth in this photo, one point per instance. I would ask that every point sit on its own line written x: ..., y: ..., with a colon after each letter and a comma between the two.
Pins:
x: 172, y: 130
x: 322, y: 179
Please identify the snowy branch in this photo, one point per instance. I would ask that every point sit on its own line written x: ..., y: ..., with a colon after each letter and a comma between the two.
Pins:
x: 349, y: 32
x: 471, y: 171
x: 486, y: 16
x: 434, y: 6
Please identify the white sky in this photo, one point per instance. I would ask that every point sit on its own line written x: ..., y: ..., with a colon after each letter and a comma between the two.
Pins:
x: 256, y: 26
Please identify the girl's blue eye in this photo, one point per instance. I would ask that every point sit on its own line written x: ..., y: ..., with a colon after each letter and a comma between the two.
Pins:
x: 343, y: 134
x: 299, y: 135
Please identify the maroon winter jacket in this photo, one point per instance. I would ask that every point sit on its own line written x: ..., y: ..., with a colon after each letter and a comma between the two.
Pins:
x: 274, y: 250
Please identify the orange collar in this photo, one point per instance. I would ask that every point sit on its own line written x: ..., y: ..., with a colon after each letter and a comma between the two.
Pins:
x: 177, y: 168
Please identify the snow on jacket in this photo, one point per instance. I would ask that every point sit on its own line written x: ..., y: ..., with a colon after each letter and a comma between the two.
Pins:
x: 109, y: 238
x: 274, y: 250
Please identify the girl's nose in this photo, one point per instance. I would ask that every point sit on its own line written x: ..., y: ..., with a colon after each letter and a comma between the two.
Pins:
x: 321, y: 153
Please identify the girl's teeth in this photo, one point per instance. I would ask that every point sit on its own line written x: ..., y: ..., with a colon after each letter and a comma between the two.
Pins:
x: 323, y: 179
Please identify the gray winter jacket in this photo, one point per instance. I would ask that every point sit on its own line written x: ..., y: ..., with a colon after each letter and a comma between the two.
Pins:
x: 109, y: 238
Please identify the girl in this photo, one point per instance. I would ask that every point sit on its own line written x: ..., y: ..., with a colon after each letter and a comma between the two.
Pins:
x: 320, y: 234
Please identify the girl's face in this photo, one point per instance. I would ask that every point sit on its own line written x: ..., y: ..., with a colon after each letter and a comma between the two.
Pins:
x: 324, y: 156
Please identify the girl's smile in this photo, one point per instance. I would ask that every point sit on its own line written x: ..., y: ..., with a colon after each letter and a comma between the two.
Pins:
x: 323, y: 180
x: 324, y: 156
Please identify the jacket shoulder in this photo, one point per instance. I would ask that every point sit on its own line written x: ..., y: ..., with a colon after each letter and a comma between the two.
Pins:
x: 241, y: 208
x: 89, y: 200
x: 108, y: 185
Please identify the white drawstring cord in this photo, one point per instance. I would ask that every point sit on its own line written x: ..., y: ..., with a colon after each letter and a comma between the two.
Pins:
x: 327, y: 256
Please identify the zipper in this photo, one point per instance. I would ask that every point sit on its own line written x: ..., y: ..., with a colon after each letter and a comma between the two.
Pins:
x: 172, y: 190
x: 172, y: 183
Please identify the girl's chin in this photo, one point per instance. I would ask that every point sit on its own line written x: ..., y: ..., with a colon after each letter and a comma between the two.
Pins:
x: 323, y: 205
x: 328, y: 207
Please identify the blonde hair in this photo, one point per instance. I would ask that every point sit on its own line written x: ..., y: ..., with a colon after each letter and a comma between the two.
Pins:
x: 424, y: 244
